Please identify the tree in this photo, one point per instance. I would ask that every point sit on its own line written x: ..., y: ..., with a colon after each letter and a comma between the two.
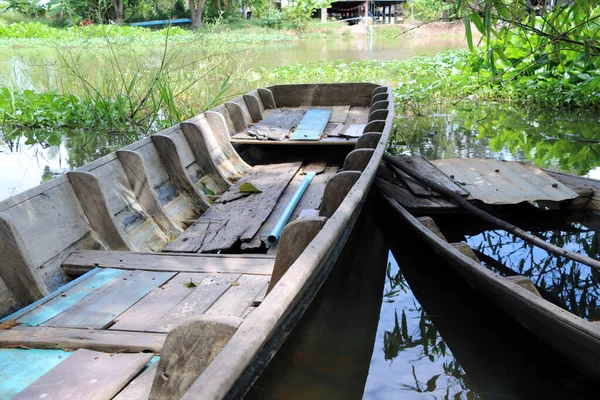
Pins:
x: 196, y: 9
x: 117, y: 11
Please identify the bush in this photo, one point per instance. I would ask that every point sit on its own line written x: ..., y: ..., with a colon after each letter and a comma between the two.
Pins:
x: 271, y: 18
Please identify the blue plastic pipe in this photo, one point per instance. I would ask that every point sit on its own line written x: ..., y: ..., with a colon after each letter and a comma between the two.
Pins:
x: 289, y: 209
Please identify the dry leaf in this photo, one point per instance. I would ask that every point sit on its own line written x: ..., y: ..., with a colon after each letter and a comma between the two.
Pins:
x: 189, y: 284
x: 8, y: 324
x: 235, y: 284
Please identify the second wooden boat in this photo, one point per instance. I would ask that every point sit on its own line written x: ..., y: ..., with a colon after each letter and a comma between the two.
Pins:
x: 171, y: 237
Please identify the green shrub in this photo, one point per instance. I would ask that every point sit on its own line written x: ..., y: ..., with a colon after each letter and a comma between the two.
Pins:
x: 271, y: 18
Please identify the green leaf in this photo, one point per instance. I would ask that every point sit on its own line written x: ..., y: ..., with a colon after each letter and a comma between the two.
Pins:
x: 190, y: 284
x: 247, y: 187
x: 206, y: 189
x: 468, y: 32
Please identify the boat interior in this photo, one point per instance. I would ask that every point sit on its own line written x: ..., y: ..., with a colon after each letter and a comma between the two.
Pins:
x: 106, y: 260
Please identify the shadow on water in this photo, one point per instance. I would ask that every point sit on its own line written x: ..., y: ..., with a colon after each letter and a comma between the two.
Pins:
x: 436, y: 337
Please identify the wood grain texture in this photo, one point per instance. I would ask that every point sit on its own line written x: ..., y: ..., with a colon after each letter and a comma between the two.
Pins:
x: 88, y: 375
x: 357, y: 160
x: 173, y: 164
x: 237, y: 117
x: 188, y: 350
x: 100, y: 308
x: 208, y: 153
x: 46, y: 337
x: 339, y: 114
x: 417, y: 204
x: 136, y: 173
x: 294, y: 239
x: 139, y: 388
x: 267, y: 98
x: 368, y: 140
x: 425, y: 168
x: 221, y: 132
x: 233, y: 218
x: 277, y: 125
x: 82, y: 261
x: 95, y: 206
x: 239, y: 296
x: 17, y: 269
x: 430, y: 224
x: 315, y: 95
x: 255, y: 107
x: 336, y: 190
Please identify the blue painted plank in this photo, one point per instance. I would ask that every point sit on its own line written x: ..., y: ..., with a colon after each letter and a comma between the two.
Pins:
x: 20, y: 368
x: 312, y: 125
x: 24, y: 310
x: 69, y: 298
x: 100, y: 309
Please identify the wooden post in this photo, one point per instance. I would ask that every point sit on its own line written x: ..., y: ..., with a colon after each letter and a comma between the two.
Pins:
x: 17, y: 269
x: 188, y: 350
x: 95, y: 206
x: 294, y: 239
x: 324, y: 15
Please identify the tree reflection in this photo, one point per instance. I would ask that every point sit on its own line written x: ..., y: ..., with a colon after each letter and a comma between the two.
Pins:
x: 568, y: 284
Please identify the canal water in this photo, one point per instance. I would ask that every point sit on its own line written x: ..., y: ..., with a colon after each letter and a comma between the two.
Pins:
x: 395, y: 322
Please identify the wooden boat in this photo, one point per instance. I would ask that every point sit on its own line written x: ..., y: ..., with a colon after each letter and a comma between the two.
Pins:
x: 576, y: 338
x: 170, y: 238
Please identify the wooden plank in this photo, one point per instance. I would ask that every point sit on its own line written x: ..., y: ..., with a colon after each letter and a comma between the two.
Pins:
x: 220, y: 131
x: 375, y: 126
x: 70, y: 297
x: 357, y: 115
x: 339, y: 114
x: 145, y: 314
x: 426, y: 168
x: 525, y: 283
x: 47, y: 337
x: 226, y: 223
x: 378, y: 115
x: 410, y: 201
x: 368, y: 140
x: 430, y: 224
x: 17, y: 269
x: 277, y: 125
x: 19, y: 368
x: 379, y: 105
x: 415, y: 187
x: 139, y: 388
x: 190, y: 348
x: 240, y: 296
x: 295, y: 237
x: 99, y: 309
x: 379, y: 97
x: 267, y: 98
x: 88, y: 375
x: 315, y: 95
x: 95, y: 206
x: 258, y: 264
x: 354, y: 130
x: 206, y: 293
x: 237, y: 117
x: 254, y: 106
x: 312, y: 125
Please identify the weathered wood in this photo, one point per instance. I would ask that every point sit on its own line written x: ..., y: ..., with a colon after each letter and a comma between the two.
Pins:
x: 19, y: 368
x: 357, y: 115
x: 375, y: 126
x: 295, y: 238
x: 17, y: 269
x: 416, y: 204
x: 357, y: 160
x: 82, y: 261
x: 267, y: 98
x: 312, y: 125
x: 188, y: 350
x: 380, y: 105
x: 139, y: 388
x: 220, y: 131
x: 525, y: 283
x: 95, y: 206
x: 175, y: 168
x: 431, y: 171
x: 208, y: 153
x: 339, y: 114
x: 379, y: 97
x: 240, y: 296
x: 277, y: 125
x: 255, y: 107
x: 336, y: 189
x: 378, y: 115
x: 151, y: 312
x: 353, y: 131
x: 228, y: 222
x: 237, y: 116
x: 379, y: 90
x: 197, y: 302
x: 316, y: 95
x: 368, y: 140
x: 46, y: 337
x: 87, y: 375
x: 466, y: 250
x: 134, y: 167
x: 430, y: 224
x: 101, y: 307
